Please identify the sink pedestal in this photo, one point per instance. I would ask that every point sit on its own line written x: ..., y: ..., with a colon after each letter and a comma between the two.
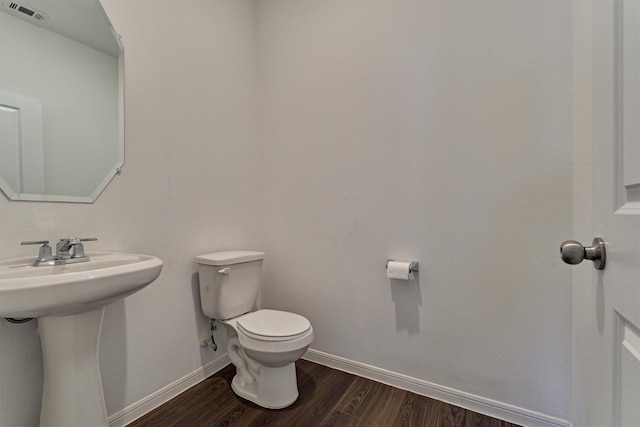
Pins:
x: 69, y: 300
x: 72, y: 393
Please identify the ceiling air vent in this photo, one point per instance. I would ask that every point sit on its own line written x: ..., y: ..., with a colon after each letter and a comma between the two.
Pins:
x: 24, y: 11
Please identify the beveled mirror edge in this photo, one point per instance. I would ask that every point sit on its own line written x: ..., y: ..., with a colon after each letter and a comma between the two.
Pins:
x: 115, y: 171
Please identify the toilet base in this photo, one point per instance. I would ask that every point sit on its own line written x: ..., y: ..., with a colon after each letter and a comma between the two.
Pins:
x: 275, y: 388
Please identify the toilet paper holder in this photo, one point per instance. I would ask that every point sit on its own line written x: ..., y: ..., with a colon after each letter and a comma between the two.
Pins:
x: 413, y: 265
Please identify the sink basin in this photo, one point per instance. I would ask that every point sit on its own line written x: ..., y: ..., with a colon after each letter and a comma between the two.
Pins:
x: 28, y: 291
x: 69, y: 301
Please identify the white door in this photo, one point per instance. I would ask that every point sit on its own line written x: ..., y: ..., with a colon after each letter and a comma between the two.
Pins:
x: 607, y: 302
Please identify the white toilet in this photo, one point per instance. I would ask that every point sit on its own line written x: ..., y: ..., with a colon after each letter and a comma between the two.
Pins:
x: 263, y: 345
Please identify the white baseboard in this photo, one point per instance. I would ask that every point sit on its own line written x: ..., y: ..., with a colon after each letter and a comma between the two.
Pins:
x: 147, y: 404
x: 482, y: 405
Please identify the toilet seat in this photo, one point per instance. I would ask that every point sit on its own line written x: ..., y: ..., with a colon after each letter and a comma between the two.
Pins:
x: 273, y: 325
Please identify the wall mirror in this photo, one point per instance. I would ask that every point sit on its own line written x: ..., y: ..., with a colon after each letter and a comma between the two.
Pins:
x: 61, y: 100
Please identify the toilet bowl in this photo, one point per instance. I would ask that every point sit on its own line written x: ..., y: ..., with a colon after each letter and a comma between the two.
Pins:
x: 264, y: 344
x: 273, y: 338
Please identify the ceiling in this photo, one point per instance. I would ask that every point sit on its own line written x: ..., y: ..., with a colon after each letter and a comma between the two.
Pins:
x: 81, y: 20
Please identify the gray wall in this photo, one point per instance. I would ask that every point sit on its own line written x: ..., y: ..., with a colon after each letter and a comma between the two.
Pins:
x: 436, y: 131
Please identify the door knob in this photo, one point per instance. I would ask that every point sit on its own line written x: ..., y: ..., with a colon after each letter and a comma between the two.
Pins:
x: 573, y: 252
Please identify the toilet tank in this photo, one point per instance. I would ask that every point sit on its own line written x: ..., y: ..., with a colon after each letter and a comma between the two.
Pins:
x: 229, y: 282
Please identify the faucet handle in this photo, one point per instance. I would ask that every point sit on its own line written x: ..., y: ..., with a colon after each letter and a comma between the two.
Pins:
x: 35, y: 242
x: 45, y: 250
x: 77, y: 251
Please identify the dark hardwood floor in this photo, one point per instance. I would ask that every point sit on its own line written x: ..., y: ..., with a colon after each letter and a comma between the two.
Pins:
x: 328, y: 397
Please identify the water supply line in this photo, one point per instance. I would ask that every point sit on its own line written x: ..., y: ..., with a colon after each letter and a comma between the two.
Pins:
x: 213, y: 344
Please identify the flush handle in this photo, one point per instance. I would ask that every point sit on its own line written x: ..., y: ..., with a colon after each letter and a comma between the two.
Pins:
x: 573, y: 252
x: 225, y: 271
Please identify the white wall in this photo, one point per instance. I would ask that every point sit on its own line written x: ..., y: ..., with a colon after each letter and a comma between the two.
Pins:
x: 438, y: 131
x: 435, y: 131
x: 583, y: 291
x: 189, y: 185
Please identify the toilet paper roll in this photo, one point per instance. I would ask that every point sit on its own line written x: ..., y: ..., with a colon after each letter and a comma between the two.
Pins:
x: 399, y: 270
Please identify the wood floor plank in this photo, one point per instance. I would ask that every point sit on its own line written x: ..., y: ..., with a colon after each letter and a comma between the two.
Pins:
x: 368, y: 403
x: 354, y: 397
x: 328, y: 398
x: 453, y: 416
x: 382, y: 407
x: 318, y: 395
x: 418, y: 410
x: 392, y: 409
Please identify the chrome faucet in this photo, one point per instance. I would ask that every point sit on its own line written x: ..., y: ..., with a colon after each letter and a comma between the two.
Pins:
x: 68, y: 251
x: 64, y: 246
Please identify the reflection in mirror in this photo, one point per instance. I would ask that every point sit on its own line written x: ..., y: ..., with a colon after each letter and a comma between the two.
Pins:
x: 61, y: 100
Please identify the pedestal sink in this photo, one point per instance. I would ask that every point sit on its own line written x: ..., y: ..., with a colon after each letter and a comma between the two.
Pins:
x: 69, y: 302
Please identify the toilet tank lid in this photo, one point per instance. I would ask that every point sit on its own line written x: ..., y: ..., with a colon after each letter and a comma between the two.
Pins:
x: 229, y: 257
